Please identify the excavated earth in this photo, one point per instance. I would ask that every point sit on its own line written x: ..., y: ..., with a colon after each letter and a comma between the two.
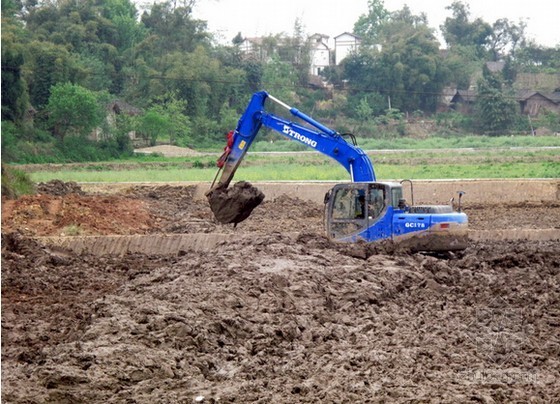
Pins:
x: 275, y: 312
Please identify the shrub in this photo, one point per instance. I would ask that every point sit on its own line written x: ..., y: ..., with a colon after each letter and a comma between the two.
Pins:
x: 15, y: 183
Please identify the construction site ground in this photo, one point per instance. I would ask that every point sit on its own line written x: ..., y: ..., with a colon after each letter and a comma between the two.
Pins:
x: 272, y: 311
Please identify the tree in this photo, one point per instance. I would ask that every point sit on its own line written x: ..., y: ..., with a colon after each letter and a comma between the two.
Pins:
x: 14, y: 96
x: 368, y: 26
x: 123, y: 15
x: 495, y: 110
x: 152, y: 124
x: 281, y: 78
x: 14, y: 88
x: 49, y: 64
x: 173, y: 29
x: 297, y: 51
x: 73, y: 110
x: 459, y: 31
x: 238, y: 39
x: 505, y: 36
x: 166, y: 119
x: 533, y: 57
x: 408, y: 68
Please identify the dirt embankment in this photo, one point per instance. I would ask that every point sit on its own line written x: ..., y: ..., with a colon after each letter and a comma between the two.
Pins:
x: 267, y: 317
x: 67, y: 210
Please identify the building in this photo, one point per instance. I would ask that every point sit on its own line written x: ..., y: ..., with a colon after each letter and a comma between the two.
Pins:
x: 344, y: 45
x: 252, y: 48
x: 463, y: 101
x: 113, y: 110
x: 533, y: 103
x: 320, y: 53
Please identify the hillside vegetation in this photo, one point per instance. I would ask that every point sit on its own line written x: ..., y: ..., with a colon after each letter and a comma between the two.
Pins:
x: 80, y: 80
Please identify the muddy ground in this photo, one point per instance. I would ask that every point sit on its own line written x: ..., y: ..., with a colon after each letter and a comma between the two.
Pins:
x: 264, y: 318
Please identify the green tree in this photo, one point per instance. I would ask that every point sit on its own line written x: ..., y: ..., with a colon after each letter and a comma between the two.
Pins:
x: 48, y: 65
x: 14, y: 87
x: 238, y: 39
x: 123, y: 15
x: 505, y: 38
x: 408, y: 69
x: 297, y: 51
x: 496, y: 110
x: 459, y: 30
x: 532, y: 57
x: 165, y: 119
x: 201, y: 80
x: 73, y: 110
x: 281, y: 79
x: 368, y: 26
x: 173, y: 28
x: 153, y: 124
x: 14, y: 95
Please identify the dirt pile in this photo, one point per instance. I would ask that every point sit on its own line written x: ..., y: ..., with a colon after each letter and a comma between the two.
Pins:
x: 168, y: 151
x: 75, y: 214
x: 59, y: 188
x: 271, y: 319
x: 234, y: 204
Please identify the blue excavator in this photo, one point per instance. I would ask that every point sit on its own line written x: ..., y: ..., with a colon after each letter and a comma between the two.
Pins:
x: 362, y: 209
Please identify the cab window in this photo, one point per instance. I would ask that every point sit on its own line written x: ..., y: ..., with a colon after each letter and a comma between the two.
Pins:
x: 349, y: 204
x: 396, y: 196
x: 376, y: 203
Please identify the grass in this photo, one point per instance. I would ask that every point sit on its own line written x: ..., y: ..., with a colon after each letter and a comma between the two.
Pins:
x: 409, y: 143
x: 324, y: 172
x: 15, y: 183
x: 497, y: 157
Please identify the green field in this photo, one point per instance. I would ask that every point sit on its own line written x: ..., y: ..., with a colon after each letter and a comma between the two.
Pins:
x: 412, y: 164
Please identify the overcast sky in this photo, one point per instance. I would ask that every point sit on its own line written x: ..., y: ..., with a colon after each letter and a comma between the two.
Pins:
x: 333, y: 17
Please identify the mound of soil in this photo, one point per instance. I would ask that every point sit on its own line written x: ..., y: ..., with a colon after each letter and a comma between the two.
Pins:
x: 75, y: 214
x: 234, y: 204
x: 168, y: 151
x: 59, y: 188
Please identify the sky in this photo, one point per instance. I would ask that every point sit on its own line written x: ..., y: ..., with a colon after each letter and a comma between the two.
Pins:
x: 333, y: 17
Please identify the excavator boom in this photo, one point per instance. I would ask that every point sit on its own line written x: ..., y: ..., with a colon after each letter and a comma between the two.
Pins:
x: 322, y: 139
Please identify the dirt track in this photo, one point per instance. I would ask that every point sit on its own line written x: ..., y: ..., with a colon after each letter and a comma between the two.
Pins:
x: 269, y: 318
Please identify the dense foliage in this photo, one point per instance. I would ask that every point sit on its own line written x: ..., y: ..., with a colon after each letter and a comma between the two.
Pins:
x: 80, y: 79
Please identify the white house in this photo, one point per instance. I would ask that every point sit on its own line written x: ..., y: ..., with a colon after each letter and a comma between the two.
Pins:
x: 345, y: 44
x: 320, y: 53
x: 253, y: 48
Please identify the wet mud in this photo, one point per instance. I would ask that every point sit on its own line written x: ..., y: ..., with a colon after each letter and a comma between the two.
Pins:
x: 268, y: 317
x: 234, y: 204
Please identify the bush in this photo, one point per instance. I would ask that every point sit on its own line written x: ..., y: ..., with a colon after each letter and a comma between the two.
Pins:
x: 15, y: 183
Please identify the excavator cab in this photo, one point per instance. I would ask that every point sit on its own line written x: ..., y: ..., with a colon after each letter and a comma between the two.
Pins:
x: 357, y: 211
x: 377, y: 211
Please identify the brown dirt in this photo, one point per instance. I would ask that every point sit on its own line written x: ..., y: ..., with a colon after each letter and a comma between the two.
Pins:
x: 59, y: 188
x: 270, y: 318
x: 234, y: 204
x: 168, y: 151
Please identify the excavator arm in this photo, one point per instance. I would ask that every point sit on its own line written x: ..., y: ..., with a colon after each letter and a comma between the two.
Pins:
x: 321, y: 138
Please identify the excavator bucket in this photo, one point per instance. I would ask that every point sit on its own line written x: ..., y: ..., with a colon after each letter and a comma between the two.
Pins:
x: 235, y: 204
